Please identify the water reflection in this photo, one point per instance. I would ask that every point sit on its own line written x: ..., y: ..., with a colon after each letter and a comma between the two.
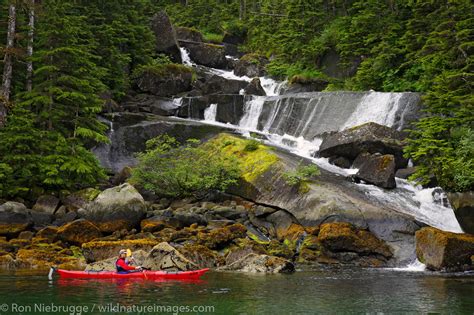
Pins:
x: 308, y: 291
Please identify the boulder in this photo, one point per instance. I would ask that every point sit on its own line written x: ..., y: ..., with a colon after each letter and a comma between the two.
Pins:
x: 463, y: 205
x: 254, y: 88
x: 378, y: 170
x: 165, y: 80
x: 47, y: 204
x: 45, y: 256
x: 99, y: 250
x: 116, y: 208
x: 209, y: 55
x: 78, y: 232
x: 440, y: 250
x: 219, y: 85
x: 49, y: 233
x: 344, y: 237
x: 41, y: 219
x: 232, y: 38
x: 165, y: 257
x: 251, y: 65
x: 165, y: 35
x: 260, y: 263
x: 370, y: 137
x: 188, y: 34
x: 14, y: 218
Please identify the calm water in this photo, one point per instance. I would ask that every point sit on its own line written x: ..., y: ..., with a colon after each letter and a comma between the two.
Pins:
x: 307, y: 291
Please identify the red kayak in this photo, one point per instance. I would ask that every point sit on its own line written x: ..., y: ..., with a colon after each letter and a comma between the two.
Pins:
x: 146, y: 274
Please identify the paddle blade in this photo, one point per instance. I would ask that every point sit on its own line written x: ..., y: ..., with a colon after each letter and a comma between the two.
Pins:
x: 129, y: 252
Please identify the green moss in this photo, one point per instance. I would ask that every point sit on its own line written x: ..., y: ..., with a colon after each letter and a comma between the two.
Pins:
x: 252, y: 163
x: 255, y: 238
x: 253, y: 58
x: 213, y: 37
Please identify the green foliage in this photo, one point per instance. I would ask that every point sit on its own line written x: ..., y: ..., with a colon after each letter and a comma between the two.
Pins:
x: 171, y: 169
x: 213, y: 37
x: 301, y: 175
x: 251, y: 145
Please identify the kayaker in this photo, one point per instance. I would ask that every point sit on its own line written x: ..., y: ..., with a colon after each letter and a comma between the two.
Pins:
x: 122, y: 265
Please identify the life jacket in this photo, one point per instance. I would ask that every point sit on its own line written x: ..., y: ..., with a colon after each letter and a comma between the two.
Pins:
x: 118, y: 267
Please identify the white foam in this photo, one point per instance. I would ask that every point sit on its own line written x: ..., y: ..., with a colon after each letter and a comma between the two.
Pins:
x: 210, y: 113
x: 415, y: 266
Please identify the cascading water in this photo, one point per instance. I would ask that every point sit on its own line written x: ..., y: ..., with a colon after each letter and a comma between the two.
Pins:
x: 296, y: 121
x: 210, y: 113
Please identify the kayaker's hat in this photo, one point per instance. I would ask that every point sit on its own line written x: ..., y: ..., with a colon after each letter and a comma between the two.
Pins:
x: 122, y: 251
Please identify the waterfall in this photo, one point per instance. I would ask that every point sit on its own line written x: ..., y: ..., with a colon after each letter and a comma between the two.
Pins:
x: 185, y: 57
x: 210, y: 113
x: 252, y: 111
x: 296, y: 122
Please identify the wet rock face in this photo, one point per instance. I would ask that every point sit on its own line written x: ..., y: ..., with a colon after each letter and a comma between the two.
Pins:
x: 208, y: 55
x: 261, y: 263
x: 116, y: 208
x: 255, y: 88
x: 166, y: 42
x: 148, y: 103
x: 463, y: 205
x: 230, y: 108
x: 447, y: 251
x: 301, y: 85
x: 366, y: 138
x: 378, y: 170
x: 165, y: 257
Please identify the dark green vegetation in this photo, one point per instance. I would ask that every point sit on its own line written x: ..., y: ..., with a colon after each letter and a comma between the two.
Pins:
x: 423, y: 46
x: 172, y: 169
x: 85, y: 52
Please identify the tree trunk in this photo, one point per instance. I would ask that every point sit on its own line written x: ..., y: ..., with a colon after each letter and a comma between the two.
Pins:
x: 29, y: 50
x: 242, y: 10
x: 7, y: 65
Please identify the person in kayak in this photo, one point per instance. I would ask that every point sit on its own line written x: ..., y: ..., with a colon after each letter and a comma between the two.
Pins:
x: 122, y: 265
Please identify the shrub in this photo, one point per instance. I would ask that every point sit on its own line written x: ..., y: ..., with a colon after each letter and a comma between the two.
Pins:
x: 302, y: 175
x: 251, y: 145
x: 171, y: 169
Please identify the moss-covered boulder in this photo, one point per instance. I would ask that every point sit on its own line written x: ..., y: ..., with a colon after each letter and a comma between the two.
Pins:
x: 79, y: 199
x: 43, y: 256
x: 50, y: 233
x: 440, y: 250
x: 78, y: 232
x: 344, y: 237
x: 189, y: 34
x: 100, y: 250
x: 209, y: 55
x: 202, y: 256
x: 251, y: 65
x: 378, y: 170
x: 116, y: 208
x: 164, y: 79
x: 220, y: 238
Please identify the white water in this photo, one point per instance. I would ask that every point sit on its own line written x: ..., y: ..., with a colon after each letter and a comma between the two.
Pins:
x: 375, y: 107
x: 253, y: 108
x: 210, y: 113
x: 356, y: 109
x: 185, y: 57
x: 415, y: 266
